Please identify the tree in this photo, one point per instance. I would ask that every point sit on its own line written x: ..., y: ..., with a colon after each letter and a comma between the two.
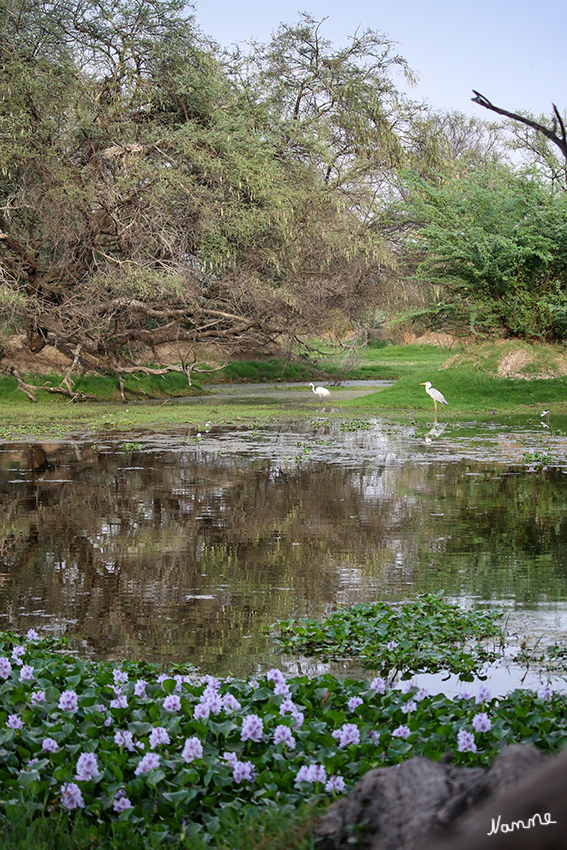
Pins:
x: 147, y: 197
x: 493, y: 250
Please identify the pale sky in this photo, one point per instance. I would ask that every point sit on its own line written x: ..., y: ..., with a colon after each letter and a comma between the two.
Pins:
x: 513, y: 51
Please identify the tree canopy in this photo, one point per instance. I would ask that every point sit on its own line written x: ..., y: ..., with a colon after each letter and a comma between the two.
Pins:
x: 493, y: 248
x: 155, y: 189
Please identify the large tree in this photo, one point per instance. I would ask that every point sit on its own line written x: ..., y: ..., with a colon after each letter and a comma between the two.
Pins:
x: 150, y: 194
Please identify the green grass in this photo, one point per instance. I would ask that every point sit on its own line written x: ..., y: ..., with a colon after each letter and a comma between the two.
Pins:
x: 466, y: 376
x: 467, y: 392
x: 278, y: 828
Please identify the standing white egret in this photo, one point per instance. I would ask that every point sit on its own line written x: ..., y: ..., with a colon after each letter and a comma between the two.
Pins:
x: 545, y: 415
x: 322, y: 392
x: 435, y: 395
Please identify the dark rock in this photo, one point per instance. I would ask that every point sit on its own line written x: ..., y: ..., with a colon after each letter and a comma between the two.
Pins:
x: 421, y: 802
x: 531, y: 815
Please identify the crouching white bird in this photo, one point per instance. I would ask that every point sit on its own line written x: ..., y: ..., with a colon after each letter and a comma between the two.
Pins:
x: 434, y: 394
x: 322, y: 392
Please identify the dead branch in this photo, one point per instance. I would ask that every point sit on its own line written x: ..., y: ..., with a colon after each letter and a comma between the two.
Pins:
x: 552, y: 135
x: 28, y: 389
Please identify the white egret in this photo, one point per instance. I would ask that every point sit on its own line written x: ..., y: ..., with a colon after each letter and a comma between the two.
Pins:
x: 435, y: 395
x: 322, y: 392
x: 545, y: 415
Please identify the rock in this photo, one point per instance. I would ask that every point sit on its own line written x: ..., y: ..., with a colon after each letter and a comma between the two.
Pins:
x: 420, y: 802
x: 531, y: 815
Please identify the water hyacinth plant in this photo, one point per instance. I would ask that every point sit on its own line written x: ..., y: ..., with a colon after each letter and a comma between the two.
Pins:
x: 424, y: 635
x: 186, y: 771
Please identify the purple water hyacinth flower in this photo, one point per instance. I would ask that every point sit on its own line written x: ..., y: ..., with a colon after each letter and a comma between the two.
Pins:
x: 282, y: 735
x: 210, y: 701
x: 231, y: 758
x: 378, y: 684
x: 120, y: 702
x: 276, y: 676
x: 17, y: 653
x: 230, y: 703
x: 31, y: 634
x: 392, y: 644
x: 158, y: 736
x: 311, y: 773
x: 71, y: 797
x: 162, y: 677
x: 30, y: 767
x: 374, y: 736
x: 124, y: 739
x: 180, y: 681
x: 482, y: 722
x: 406, y: 687
x: 464, y: 694
x: 211, y: 682
x: 5, y: 668
x: 68, y: 702
x: 408, y: 707
x: 27, y: 673
x: 289, y: 706
x: 149, y: 762
x: 546, y: 692
x: 140, y: 689
x: 121, y: 801
x: 253, y: 684
x: 282, y: 689
x: 108, y: 722
x: 37, y: 697
x: 349, y: 733
x: 252, y: 728
x: 14, y: 722
x: 193, y: 749
x: 423, y: 693
x: 119, y: 676
x: 243, y: 771
x: 87, y: 767
x: 466, y: 743
x: 354, y: 702
x: 201, y: 711
x: 401, y: 732
x: 172, y: 703
x: 335, y: 784
x: 48, y: 745
x: 482, y: 695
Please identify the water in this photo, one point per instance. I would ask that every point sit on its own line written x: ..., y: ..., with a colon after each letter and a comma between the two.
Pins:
x: 178, y: 547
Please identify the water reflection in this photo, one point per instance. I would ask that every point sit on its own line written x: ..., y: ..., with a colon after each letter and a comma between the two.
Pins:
x: 173, y: 547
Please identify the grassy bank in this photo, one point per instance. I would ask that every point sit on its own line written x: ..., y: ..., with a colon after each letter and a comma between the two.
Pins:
x: 471, y: 379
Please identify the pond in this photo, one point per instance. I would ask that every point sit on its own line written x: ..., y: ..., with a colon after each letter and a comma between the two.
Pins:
x: 185, y: 546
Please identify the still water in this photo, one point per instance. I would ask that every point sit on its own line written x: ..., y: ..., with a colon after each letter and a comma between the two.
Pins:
x: 184, y: 546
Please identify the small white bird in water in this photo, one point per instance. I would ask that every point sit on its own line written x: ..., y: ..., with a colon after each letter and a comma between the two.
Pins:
x: 545, y: 415
x: 322, y: 392
x: 434, y: 394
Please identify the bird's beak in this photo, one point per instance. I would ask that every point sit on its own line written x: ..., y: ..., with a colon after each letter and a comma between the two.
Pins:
x: 422, y: 383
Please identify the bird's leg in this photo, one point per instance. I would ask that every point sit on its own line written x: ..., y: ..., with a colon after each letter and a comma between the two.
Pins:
x: 435, y: 403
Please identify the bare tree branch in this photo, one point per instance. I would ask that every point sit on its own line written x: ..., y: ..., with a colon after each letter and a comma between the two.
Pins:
x: 552, y: 135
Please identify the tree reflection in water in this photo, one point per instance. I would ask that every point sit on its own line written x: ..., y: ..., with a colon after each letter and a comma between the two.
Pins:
x: 184, y: 550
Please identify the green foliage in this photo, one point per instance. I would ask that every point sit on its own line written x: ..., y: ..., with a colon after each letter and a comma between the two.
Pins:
x: 425, y: 635
x: 493, y: 248
x: 198, y: 802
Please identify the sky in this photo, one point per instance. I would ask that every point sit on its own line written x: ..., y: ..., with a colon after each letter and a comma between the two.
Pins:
x: 512, y: 51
